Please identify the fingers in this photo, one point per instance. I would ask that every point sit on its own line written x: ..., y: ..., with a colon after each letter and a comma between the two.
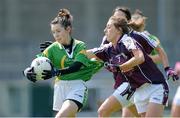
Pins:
x: 48, y: 42
x: 175, y: 77
x: 31, y: 76
x: 46, y: 74
x: 44, y: 45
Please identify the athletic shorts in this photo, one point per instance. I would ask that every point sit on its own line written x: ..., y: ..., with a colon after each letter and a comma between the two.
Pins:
x: 72, y: 90
x: 121, y: 94
x: 154, y: 93
x: 176, y: 99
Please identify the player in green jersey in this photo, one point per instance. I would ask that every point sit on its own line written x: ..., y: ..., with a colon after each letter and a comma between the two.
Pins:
x: 138, y: 22
x: 71, y: 66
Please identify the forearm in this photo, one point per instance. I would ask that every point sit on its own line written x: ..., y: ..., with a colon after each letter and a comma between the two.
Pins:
x: 137, y: 59
x: 71, y: 69
x: 90, y: 54
x: 156, y: 58
x: 163, y: 55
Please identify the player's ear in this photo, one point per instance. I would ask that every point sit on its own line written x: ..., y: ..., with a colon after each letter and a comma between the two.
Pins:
x: 68, y: 29
x: 120, y: 30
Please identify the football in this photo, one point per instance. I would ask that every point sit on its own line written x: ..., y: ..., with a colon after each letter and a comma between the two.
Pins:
x: 39, y: 64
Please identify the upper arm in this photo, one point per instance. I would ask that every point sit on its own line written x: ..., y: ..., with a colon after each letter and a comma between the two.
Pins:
x: 100, y: 53
x: 138, y: 55
x: 134, y: 48
x: 90, y: 54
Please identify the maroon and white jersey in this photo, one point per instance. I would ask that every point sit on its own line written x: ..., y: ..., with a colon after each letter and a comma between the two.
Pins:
x: 142, y: 38
x: 147, y: 72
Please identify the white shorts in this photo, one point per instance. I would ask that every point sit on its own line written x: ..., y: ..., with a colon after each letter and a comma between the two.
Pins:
x: 74, y: 90
x: 177, y: 97
x: 154, y: 93
x: 122, y: 97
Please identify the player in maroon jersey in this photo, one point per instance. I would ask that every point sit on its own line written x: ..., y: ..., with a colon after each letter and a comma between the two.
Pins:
x: 139, y: 71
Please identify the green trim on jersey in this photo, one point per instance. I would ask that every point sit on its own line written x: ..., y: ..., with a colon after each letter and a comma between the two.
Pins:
x: 154, y: 52
x: 61, y: 59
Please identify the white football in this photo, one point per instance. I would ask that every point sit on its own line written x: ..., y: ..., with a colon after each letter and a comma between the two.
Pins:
x: 39, y: 64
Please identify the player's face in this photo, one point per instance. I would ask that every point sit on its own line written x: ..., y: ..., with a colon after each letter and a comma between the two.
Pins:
x: 111, y: 32
x: 60, y: 34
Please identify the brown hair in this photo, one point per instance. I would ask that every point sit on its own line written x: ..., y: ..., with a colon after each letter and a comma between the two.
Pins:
x: 138, y: 12
x: 64, y: 18
x: 136, y: 15
x: 120, y: 23
x: 125, y: 10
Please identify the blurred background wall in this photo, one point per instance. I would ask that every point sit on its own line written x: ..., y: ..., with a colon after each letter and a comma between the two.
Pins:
x: 25, y: 23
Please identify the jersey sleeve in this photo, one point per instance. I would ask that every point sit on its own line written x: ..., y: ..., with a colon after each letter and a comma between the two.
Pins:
x: 81, y: 54
x: 150, y: 39
x: 104, y: 41
x: 155, y: 39
x: 102, y: 52
x: 129, y: 43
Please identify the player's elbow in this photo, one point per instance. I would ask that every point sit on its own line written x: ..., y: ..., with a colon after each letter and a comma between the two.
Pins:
x: 139, y: 57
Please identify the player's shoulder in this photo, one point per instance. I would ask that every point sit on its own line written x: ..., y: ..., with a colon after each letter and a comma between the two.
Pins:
x: 152, y: 37
x: 78, y: 42
x: 126, y: 39
x: 54, y: 45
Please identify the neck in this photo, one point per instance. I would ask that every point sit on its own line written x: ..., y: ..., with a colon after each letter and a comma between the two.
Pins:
x: 142, y: 28
x: 68, y: 41
x: 114, y: 42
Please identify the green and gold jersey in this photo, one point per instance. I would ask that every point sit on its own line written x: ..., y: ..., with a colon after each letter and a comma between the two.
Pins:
x: 60, y: 59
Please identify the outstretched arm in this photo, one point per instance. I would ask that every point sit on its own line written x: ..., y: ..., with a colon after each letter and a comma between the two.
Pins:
x: 90, y: 54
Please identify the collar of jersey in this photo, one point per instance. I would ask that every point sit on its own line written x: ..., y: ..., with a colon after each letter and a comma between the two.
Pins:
x: 74, y: 45
x: 122, y: 38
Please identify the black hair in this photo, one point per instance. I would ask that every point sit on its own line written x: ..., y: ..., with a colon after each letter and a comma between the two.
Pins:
x: 125, y: 10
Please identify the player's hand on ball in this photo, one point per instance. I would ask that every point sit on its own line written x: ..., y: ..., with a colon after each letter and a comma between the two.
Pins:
x: 44, y: 45
x: 47, y: 74
x: 29, y: 74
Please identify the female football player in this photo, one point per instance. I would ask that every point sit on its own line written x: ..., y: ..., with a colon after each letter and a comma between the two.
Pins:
x: 150, y: 43
x: 71, y: 67
x: 138, y: 22
x: 147, y: 42
x: 129, y: 62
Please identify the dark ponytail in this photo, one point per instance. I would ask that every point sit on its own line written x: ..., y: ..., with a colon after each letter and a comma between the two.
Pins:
x: 64, y: 18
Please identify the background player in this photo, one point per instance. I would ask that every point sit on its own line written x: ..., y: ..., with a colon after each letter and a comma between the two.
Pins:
x: 138, y: 23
